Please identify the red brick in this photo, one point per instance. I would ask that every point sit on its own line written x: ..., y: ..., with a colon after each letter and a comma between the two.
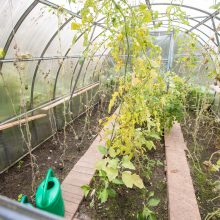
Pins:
x: 77, y: 181
x: 82, y: 169
x: 71, y: 197
x: 70, y: 207
x: 72, y: 189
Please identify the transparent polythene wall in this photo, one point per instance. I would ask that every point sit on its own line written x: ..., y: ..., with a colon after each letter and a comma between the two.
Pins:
x: 42, y: 66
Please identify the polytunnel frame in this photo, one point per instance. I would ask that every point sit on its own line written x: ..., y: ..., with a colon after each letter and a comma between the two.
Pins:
x: 17, y: 26
x: 184, y: 29
x: 190, y: 18
x: 73, y: 14
x: 208, y: 17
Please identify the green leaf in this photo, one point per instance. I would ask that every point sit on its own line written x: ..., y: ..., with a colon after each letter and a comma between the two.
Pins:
x: 111, y: 173
x: 127, y: 179
x: 102, y: 150
x: 153, y: 202
x: 155, y: 136
x: 150, y: 145
x: 111, y: 192
x: 81, y: 60
x: 86, y: 189
x: 151, y: 194
x: 103, y: 195
x: 126, y: 163
x: 117, y: 181
x: 137, y: 181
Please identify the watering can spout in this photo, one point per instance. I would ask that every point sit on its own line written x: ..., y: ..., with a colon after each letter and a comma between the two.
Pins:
x: 49, y: 195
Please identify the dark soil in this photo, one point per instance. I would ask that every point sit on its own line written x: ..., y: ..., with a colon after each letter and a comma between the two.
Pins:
x: 208, y: 142
x: 18, y: 179
x: 128, y: 202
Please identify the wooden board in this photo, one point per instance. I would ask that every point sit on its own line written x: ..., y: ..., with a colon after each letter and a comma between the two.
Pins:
x: 68, y: 97
x: 181, y: 195
x: 21, y: 121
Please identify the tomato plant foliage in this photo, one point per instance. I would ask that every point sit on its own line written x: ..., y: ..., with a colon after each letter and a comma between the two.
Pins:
x: 149, y: 101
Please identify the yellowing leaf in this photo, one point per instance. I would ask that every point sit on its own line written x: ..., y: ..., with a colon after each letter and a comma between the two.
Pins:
x: 127, y: 179
x: 101, y: 164
x: 138, y: 181
x: 126, y: 163
x: 2, y: 53
x: 113, y: 163
x: 112, y: 152
x: 111, y: 173
x: 75, y: 26
x: 132, y: 179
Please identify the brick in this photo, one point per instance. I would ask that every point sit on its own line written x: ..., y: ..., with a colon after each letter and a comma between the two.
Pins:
x: 71, y: 197
x: 70, y: 207
x: 76, y: 174
x: 85, y: 164
x: 82, y: 169
x: 78, y: 181
x: 72, y: 189
x: 68, y: 216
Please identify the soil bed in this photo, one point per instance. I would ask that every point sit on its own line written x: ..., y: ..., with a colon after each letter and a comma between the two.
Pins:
x: 128, y: 202
x: 201, y: 147
x: 78, y: 137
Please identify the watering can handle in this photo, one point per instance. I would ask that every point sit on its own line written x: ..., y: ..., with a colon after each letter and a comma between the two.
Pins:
x: 49, y: 174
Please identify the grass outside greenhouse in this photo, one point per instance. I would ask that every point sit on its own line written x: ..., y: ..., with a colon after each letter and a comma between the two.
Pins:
x: 110, y: 109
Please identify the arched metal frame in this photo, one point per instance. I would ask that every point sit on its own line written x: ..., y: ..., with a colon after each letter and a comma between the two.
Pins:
x: 197, y: 30
x: 190, y: 18
x: 16, y: 27
x: 184, y: 30
x: 73, y: 14
x: 57, y: 75
x: 210, y: 16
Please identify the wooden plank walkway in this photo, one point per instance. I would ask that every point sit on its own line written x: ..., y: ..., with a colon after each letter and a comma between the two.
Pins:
x: 181, y: 196
x: 82, y: 174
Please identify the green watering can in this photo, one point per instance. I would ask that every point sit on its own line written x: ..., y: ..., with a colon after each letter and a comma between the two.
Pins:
x: 24, y: 200
x: 49, y: 195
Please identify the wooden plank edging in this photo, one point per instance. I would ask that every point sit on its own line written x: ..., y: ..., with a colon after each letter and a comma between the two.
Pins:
x: 82, y: 173
x: 21, y: 121
x: 181, y: 195
x: 46, y: 108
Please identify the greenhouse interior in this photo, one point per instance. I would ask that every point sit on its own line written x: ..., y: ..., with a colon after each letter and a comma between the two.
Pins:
x: 110, y: 109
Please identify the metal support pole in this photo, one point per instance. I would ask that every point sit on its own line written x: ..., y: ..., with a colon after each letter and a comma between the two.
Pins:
x: 171, y: 51
x: 215, y: 30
